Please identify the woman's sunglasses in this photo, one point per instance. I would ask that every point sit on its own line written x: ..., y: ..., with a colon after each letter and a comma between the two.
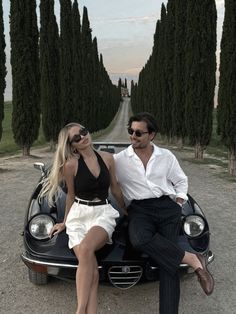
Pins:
x: 77, y: 137
x: 137, y: 133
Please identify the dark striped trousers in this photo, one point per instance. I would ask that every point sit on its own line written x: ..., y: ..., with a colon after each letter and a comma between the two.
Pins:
x: 153, y: 229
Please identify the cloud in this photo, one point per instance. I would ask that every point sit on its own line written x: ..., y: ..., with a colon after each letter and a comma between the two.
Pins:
x: 129, y: 71
x: 134, y: 19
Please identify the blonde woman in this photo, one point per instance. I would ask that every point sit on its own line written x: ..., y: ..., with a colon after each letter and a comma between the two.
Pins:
x: 89, y: 218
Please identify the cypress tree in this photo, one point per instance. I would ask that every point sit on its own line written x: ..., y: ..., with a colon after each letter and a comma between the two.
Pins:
x: 66, y: 62
x: 95, y: 110
x: 119, y: 83
x: 77, y: 62
x: 139, y: 93
x: 103, y: 95
x: 133, y: 94
x: 49, y: 65
x: 2, y: 68
x: 226, y: 114
x: 150, y: 92
x: 154, y: 73
x: 161, y: 71
x: 109, y: 97
x: 200, y: 72
x: 144, y: 94
x: 178, y: 111
x: 119, y: 87
x: 157, y: 67
x: 87, y: 67
x: 146, y: 86
x: 25, y: 73
x: 168, y: 50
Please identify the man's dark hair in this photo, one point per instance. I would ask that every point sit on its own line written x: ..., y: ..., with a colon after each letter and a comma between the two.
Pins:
x: 145, y: 117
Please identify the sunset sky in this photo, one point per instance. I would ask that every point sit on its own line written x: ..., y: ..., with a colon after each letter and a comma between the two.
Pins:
x: 124, y: 30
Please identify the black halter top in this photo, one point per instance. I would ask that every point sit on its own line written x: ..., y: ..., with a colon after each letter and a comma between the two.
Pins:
x: 87, y: 186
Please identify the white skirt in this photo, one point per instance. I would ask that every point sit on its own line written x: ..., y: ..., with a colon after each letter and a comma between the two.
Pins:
x: 81, y: 218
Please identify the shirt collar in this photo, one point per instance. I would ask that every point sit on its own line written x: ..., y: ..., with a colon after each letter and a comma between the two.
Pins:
x: 156, y: 150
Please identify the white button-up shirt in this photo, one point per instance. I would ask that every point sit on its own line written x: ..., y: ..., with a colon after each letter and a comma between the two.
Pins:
x: 163, y: 175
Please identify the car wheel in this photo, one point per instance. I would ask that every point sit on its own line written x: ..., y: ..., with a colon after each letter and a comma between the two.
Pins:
x: 38, y: 278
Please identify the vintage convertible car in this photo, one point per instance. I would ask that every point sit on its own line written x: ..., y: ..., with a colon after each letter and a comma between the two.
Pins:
x: 118, y: 263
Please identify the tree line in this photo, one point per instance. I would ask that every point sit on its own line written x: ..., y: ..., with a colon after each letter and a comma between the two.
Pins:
x: 177, y: 83
x: 57, y: 76
x: 226, y: 110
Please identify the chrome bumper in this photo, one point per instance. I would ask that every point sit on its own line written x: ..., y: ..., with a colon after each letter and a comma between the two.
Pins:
x: 30, y: 260
x: 26, y: 259
x: 209, y: 259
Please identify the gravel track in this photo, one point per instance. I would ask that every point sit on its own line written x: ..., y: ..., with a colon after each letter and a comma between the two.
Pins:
x: 17, y: 295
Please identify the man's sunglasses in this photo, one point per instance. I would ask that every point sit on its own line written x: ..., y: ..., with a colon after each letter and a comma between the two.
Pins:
x: 77, y: 137
x: 137, y: 133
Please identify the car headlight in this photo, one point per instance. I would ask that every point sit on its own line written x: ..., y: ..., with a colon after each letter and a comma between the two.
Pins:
x: 193, y: 225
x: 40, y: 226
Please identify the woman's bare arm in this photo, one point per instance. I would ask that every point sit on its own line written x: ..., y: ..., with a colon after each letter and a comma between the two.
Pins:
x: 70, y: 169
x: 114, y: 185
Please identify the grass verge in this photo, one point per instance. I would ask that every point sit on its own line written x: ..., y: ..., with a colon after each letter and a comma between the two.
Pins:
x: 7, y: 144
x: 215, y: 156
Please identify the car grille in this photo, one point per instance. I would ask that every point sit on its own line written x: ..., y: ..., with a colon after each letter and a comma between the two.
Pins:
x: 124, y: 277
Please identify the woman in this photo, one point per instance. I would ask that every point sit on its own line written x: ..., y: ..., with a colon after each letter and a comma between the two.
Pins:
x: 89, y: 218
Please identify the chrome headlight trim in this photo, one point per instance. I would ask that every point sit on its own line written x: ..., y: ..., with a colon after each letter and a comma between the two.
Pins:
x: 34, y: 208
x: 193, y: 226
x: 40, y: 226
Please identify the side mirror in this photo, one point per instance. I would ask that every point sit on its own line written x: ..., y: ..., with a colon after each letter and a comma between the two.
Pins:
x: 40, y: 166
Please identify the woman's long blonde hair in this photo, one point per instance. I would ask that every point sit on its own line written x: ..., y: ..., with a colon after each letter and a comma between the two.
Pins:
x: 51, y: 184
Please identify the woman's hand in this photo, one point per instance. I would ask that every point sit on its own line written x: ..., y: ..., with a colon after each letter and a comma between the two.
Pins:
x: 57, y: 228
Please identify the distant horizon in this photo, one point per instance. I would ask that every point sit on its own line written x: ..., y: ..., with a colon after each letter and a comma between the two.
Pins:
x: 125, y: 37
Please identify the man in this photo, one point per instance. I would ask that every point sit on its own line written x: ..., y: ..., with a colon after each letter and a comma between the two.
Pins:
x: 155, y: 187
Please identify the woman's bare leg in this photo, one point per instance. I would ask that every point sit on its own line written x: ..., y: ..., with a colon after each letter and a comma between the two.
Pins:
x: 92, y: 306
x: 85, y: 275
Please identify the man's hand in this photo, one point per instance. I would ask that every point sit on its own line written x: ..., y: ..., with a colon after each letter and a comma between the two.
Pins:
x: 179, y: 201
x: 125, y: 211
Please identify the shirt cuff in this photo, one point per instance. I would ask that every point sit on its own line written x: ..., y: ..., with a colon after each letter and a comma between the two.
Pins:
x: 183, y: 196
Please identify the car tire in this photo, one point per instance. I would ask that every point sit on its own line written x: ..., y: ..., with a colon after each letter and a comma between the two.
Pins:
x: 38, y: 278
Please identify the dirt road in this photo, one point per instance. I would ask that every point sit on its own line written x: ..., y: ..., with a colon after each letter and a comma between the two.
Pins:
x: 119, y: 131
x: 17, y: 295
